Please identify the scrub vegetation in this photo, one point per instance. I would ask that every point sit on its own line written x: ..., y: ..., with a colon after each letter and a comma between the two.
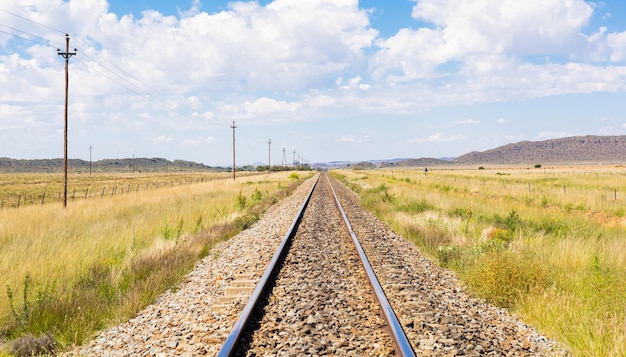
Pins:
x: 547, y: 243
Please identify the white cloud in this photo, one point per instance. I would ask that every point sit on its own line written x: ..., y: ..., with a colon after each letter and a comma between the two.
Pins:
x: 617, y: 44
x: 347, y: 139
x: 505, y: 26
x: 294, y: 61
x: 162, y: 139
x: 468, y: 121
x: 545, y: 135
x: 437, y: 137
x: 198, y: 141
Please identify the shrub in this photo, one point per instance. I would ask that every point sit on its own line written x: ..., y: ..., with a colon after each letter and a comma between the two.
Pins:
x: 257, y: 196
x: 30, y: 345
x: 241, y: 200
x: 502, y: 277
x: 294, y: 176
x: 415, y: 206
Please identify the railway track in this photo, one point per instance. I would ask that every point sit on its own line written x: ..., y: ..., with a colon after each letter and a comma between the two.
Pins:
x: 318, y: 303
x: 319, y: 290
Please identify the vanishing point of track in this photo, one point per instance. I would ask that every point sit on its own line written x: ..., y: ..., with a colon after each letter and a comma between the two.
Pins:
x: 320, y: 289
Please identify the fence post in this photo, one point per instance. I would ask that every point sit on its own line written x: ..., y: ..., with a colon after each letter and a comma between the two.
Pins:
x: 86, y: 193
x: 102, y: 195
x: 43, y: 197
x: 19, y: 198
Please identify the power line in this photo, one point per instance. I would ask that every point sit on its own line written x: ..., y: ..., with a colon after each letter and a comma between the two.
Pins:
x: 34, y: 22
x: 109, y: 69
x: 32, y: 38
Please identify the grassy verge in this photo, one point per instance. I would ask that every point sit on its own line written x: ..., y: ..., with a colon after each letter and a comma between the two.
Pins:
x: 70, y: 272
x: 547, y: 244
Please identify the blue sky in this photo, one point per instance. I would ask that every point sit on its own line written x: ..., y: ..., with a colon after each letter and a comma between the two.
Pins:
x: 331, y: 79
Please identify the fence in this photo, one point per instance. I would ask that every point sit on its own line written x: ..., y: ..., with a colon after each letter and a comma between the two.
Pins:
x: 18, y: 200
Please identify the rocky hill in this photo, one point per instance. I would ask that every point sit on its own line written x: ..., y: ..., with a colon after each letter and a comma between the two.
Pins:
x: 576, y: 149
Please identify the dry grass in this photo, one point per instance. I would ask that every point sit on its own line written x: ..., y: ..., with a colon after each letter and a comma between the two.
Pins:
x: 547, y: 243
x: 71, y: 271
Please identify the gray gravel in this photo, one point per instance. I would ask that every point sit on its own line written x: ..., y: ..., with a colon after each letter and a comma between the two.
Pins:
x: 322, y: 303
x: 439, y: 317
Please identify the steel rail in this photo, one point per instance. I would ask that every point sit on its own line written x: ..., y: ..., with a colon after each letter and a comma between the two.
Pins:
x: 230, y: 345
x: 403, y: 345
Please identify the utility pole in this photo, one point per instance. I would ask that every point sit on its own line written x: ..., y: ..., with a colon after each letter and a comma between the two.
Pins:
x: 293, y: 163
x: 233, y: 127
x: 284, y: 163
x: 269, y: 152
x: 90, y: 148
x: 67, y: 54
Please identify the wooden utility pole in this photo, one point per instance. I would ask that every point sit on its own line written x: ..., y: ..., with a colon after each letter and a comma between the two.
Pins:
x: 233, y: 127
x: 90, y: 148
x: 67, y: 54
x: 269, y: 146
x: 293, y: 163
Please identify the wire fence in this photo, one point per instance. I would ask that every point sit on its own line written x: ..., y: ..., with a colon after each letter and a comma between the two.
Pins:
x: 17, y: 200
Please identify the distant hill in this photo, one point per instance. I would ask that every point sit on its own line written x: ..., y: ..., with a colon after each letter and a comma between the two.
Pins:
x: 108, y: 165
x: 575, y: 149
x: 423, y: 162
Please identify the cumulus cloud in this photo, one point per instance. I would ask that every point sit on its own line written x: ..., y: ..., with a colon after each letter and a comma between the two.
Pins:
x: 285, y: 61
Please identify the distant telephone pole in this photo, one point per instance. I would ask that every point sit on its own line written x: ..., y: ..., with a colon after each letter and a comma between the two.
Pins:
x: 67, y: 54
x: 284, y: 163
x: 233, y: 127
x: 293, y: 163
x: 90, y: 148
x: 269, y: 152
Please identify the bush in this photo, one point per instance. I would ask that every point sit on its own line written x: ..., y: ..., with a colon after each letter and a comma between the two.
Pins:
x: 30, y: 345
x: 415, y: 206
x: 502, y: 277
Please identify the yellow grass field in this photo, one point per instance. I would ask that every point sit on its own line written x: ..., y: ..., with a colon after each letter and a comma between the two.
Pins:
x: 547, y: 243
x: 72, y: 271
